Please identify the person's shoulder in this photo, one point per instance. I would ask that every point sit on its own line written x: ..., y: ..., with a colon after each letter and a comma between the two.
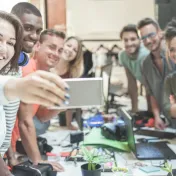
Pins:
x: 29, y: 68
x: 146, y: 62
x: 122, y: 57
x: 147, y: 57
x: 17, y: 74
x: 144, y: 51
x: 122, y: 54
x: 170, y: 79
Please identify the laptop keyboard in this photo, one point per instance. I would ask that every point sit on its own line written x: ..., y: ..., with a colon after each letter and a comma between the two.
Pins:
x: 148, y: 151
x: 158, y: 150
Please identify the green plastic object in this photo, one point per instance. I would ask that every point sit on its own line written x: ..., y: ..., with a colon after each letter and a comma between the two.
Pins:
x: 95, y: 138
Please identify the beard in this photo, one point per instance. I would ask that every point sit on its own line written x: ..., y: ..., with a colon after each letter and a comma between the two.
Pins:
x: 135, y: 50
x: 157, y: 47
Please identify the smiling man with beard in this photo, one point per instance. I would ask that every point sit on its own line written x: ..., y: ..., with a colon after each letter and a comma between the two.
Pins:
x: 131, y: 58
x: 155, y: 67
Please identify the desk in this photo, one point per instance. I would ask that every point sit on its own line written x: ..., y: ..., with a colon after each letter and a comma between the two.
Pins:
x: 123, y: 159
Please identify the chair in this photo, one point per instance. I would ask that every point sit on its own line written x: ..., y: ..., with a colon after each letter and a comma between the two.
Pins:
x: 79, y: 119
x: 116, y: 91
x: 108, y: 90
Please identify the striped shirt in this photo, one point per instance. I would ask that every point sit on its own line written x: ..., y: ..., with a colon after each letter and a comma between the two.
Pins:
x: 10, y: 118
x: 3, y: 100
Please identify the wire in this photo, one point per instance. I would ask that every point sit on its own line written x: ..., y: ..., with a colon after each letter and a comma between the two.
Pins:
x: 64, y: 139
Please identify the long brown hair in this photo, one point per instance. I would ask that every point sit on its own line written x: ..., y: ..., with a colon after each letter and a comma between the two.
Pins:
x: 76, y: 65
x: 12, y: 65
x: 170, y: 33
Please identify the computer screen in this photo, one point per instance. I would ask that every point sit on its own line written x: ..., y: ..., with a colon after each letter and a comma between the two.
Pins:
x: 105, y: 85
x: 106, y: 75
x: 129, y: 127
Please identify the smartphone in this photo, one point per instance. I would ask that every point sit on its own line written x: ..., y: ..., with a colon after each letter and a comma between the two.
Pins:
x: 84, y: 93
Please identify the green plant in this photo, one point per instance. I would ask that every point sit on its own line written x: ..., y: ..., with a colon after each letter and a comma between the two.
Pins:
x: 94, y: 157
x: 167, y: 168
x: 119, y: 169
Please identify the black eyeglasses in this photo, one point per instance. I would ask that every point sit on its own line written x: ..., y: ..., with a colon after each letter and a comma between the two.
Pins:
x: 150, y: 35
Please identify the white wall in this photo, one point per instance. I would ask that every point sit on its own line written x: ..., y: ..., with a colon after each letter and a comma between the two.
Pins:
x: 105, y: 18
x: 6, y: 5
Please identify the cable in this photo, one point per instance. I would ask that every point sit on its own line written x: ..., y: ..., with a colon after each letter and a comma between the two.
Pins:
x: 63, y: 139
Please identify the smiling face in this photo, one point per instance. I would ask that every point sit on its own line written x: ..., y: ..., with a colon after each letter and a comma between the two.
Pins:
x: 7, y: 42
x: 49, y: 51
x: 151, y: 37
x: 32, y: 28
x: 172, y: 49
x: 131, y: 42
x: 70, y: 50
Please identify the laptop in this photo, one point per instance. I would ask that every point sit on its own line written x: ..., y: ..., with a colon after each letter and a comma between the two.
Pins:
x: 146, y: 151
x: 154, y: 133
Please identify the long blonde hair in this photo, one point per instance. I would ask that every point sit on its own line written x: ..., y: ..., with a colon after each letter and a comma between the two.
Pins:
x: 76, y: 65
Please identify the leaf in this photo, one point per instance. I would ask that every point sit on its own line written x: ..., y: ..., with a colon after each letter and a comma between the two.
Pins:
x: 94, y: 157
x: 114, y: 169
x: 166, y: 164
x: 95, y: 152
x: 86, y: 154
x: 170, y: 168
x: 165, y: 169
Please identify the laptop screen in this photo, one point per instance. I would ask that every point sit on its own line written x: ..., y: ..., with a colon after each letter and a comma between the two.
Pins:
x: 106, y: 74
x: 106, y: 79
x: 130, y: 135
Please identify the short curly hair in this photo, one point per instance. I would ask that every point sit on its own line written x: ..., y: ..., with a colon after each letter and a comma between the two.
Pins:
x: 25, y: 7
x: 51, y: 32
x: 129, y: 28
x: 147, y: 21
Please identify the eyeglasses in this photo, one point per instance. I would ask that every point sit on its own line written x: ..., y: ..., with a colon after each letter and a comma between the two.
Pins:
x: 150, y: 35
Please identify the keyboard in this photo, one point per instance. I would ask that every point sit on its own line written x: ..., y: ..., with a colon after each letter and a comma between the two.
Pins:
x: 148, y: 151
x: 158, y: 150
x: 159, y: 134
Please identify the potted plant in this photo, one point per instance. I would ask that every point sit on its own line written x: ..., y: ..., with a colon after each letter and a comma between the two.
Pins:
x: 94, y: 160
x: 168, y: 168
